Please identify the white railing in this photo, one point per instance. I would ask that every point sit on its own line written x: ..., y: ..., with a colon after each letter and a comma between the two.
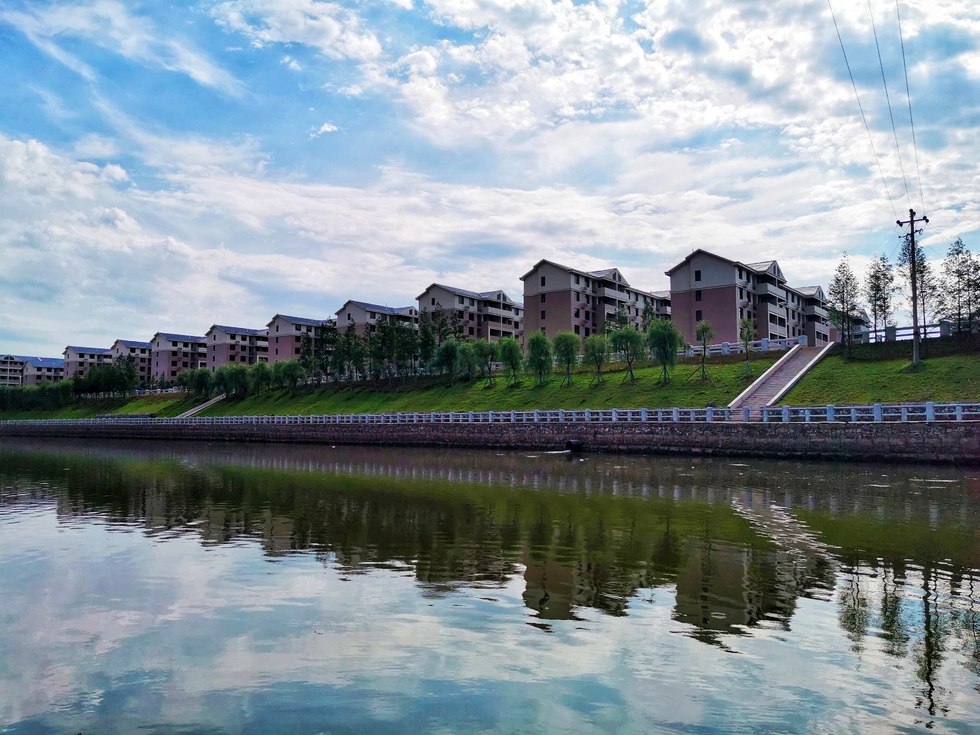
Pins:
x: 926, y: 412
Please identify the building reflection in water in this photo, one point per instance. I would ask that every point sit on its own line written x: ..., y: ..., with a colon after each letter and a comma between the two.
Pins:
x: 738, y: 544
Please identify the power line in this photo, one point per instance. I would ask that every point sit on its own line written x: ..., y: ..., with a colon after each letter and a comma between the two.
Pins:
x: 908, y: 95
x: 881, y: 65
x: 861, y: 108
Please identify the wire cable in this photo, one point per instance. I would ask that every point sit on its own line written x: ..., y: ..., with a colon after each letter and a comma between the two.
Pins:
x: 908, y: 95
x: 861, y: 108
x: 888, y: 101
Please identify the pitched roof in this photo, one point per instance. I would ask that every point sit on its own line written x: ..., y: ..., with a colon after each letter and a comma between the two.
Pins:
x: 393, y: 310
x: 181, y: 337
x: 93, y: 350
x: 809, y: 290
x: 301, y: 320
x: 242, y: 330
x: 42, y: 362
x: 762, y: 266
x: 464, y: 292
x: 660, y: 294
x: 134, y: 343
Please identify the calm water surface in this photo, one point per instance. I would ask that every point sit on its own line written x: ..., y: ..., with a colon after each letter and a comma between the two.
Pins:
x: 254, y: 589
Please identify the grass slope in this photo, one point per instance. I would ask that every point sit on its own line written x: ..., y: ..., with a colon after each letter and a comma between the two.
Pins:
x: 163, y: 404
x: 726, y: 383
x: 838, y: 381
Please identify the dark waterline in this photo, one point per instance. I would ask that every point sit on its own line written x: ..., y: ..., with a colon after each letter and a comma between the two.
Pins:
x: 224, y: 588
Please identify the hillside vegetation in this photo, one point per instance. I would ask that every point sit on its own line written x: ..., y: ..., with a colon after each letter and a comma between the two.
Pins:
x: 841, y: 382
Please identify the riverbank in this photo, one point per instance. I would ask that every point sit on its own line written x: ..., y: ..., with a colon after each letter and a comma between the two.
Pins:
x: 951, y: 442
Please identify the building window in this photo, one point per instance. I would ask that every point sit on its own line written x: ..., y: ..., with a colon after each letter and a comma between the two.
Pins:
x: 577, y: 329
x: 543, y: 298
x: 542, y: 314
x: 697, y: 275
x: 576, y: 313
x: 697, y: 295
x: 542, y: 280
x: 471, y: 331
x: 433, y: 301
x: 697, y: 315
x: 576, y: 295
x: 543, y: 330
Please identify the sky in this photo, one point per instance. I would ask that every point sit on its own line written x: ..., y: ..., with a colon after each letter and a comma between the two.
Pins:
x: 172, y: 166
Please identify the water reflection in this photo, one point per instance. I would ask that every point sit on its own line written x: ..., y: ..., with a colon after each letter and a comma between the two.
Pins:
x: 738, y: 547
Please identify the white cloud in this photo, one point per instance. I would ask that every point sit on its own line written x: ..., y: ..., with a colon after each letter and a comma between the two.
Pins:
x: 325, y: 128
x: 291, y: 63
x: 329, y: 27
x: 108, y: 24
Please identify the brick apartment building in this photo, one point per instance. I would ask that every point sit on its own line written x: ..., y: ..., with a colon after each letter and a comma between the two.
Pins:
x: 20, y: 370
x: 712, y: 288
x: 489, y: 315
x: 139, y: 351
x: 364, y: 317
x: 172, y: 354
x: 558, y: 298
x: 79, y: 360
x: 285, y: 335
x: 236, y: 346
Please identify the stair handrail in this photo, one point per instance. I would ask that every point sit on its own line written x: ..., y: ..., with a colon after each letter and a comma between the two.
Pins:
x: 800, y: 373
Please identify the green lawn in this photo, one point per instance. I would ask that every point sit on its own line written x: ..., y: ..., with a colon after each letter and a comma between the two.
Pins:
x: 726, y: 383
x: 837, y: 381
x: 163, y: 404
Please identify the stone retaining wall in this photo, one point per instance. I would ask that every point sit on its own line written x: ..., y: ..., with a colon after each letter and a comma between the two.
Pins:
x: 939, y: 442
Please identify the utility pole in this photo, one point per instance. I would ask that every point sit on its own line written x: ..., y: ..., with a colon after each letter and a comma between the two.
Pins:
x: 914, y: 278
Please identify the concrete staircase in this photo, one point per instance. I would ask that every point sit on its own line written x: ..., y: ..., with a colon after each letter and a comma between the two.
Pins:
x: 198, y: 409
x: 773, y: 384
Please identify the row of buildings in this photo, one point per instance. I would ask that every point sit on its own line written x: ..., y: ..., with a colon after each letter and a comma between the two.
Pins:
x: 703, y: 287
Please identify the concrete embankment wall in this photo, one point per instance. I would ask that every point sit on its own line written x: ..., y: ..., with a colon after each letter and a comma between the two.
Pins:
x: 944, y: 442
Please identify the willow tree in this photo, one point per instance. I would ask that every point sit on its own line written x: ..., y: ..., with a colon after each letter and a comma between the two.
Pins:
x: 566, y: 350
x: 665, y: 340
x: 746, y: 335
x: 704, y: 334
x: 539, y: 355
x: 630, y: 344
x: 596, y: 350
x: 512, y: 357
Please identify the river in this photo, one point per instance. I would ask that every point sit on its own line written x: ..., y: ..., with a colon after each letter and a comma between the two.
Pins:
x: 170, y: 588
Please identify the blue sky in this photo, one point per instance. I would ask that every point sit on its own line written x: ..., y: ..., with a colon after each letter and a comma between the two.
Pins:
x: 172, y: 166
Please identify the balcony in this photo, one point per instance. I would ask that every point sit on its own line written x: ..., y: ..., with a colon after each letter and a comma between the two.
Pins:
x: 814, y: 310
x: 767, y: 289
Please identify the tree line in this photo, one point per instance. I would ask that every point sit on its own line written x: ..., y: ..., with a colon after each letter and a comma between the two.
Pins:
x: 952, y: 294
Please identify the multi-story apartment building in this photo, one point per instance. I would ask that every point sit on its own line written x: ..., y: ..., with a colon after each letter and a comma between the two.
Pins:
x: 20, y: 370
x: 139, y: 351
x: 79, y: 360
x: 172, y: 354
x: 490, y: 315
x: 40, y: 369
x: 558, y: 298
x: 712, y: 288
x: 12, y: 370
x: 285, y: 335
x: 364, y: 317
x: 236, y: 346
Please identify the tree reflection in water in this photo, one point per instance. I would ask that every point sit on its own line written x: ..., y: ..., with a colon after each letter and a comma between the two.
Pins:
x: 739, y: 545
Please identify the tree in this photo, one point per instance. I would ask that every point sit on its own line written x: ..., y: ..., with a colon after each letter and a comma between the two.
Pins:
x: 704, y: 334
x: 665, y: 340
x: 926, y: 283
x: 447, y: 357
x: 648, y: 314
x: 307, y: 355
x: 539, y: 355
x: 567, y: 346
x: 596, y: 349
x: 746, y: 335
x: 842, y: 301
x: 512, y: 357
x: 349, y: 353
x: 487, y: 353
x: 879, y: 287
x: 630, y: 344
x: 467, y: 360
x: 287, y: 374
x: 201, y: 382
x: 427, y: 339
x: 259, y: 377
x: 620, y: 320
x: 959, y: 282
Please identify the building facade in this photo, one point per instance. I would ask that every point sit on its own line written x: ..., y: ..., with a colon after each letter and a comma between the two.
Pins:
x: 236, y: 346
x: 38, y: 370
x: 139, y: 351
x: 558, y: 298
x: 489, y: 315
x: 285, y: 335
x: 12, y: 370
x: 172, y: 354
x: 720, y: 291
x: 364, y: 317
x: 79, y: 360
